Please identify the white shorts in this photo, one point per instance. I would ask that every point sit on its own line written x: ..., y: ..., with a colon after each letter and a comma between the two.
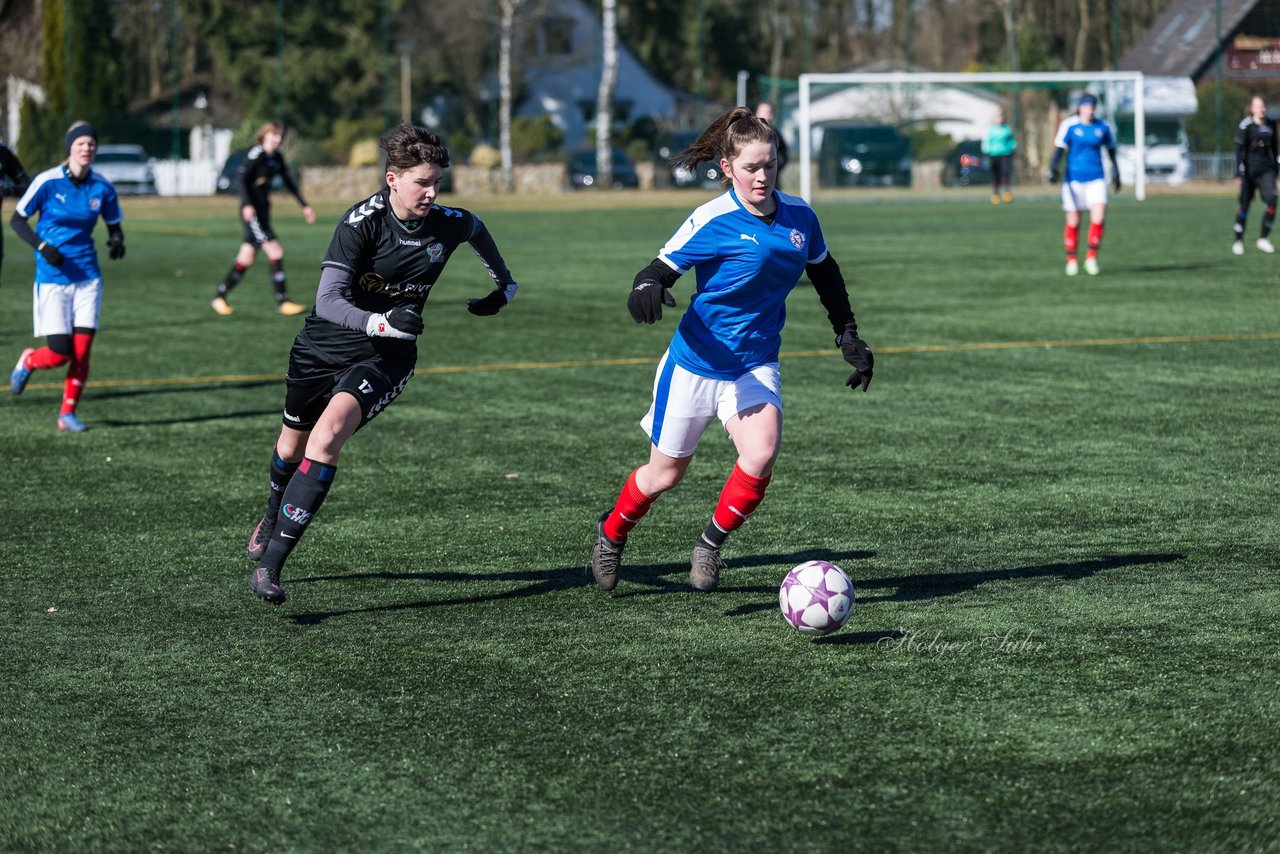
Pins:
x: 1083, y: 195
x: 58, y: 308
x: 684, y: 404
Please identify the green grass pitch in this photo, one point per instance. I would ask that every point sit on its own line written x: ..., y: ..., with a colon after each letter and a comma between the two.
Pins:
x: 1058, y: 503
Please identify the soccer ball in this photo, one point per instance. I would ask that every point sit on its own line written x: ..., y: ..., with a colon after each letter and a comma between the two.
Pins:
x: 816, y: 597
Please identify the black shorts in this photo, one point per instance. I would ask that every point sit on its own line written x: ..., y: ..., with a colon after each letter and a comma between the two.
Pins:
x: 258, y: 231
x: 1263, y: 181
x: 311, y: 384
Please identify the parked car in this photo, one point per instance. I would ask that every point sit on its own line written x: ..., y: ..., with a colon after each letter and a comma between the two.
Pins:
x: 703, y: 175
x: 227, y: 177
x: 966, y: 164
x: 854, y: 154
x: 582, y: 169
x: 127, y: 167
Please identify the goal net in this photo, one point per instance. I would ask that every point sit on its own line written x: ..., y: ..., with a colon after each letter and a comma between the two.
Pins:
x: 905, y: 128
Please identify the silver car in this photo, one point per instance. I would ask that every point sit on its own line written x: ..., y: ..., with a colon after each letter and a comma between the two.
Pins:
x: 128, y: 167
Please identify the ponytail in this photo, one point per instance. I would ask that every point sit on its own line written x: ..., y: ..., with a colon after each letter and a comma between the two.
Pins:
x: 725, y: 137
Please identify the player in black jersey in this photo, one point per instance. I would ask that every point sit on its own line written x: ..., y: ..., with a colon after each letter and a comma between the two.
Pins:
x: 13, y: 182
x: 1256, y: 170
x: 262, y: 165
x: 357, y: 349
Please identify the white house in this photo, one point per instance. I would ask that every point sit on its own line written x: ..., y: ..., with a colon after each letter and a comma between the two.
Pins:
x: 558, y: 54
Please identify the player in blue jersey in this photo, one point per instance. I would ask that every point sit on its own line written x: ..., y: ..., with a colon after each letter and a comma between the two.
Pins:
x: 748, y: 248
x: 262, y: 165
x: 1081, y: 139
x: 69, y: 199
x: 13, y: 182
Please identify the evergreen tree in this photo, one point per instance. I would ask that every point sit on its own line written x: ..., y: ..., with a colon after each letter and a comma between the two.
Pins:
x: 78, y: 47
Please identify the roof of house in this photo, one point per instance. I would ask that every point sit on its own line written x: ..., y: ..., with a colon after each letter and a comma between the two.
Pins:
x: 1183, y: 41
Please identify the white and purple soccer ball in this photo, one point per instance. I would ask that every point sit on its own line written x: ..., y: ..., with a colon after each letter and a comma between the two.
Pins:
x: 816, y: 597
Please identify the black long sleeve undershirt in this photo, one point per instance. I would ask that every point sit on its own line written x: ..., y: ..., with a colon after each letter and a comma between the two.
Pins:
x: 832, y: 293
x: 23, y: 229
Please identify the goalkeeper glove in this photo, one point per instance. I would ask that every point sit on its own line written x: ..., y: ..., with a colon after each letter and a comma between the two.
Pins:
x: 647, y: 299
x: 115, y: 245
x: 50, y: 253
x: 496, y: 300
x: 858, y: 354
x: 401, y: 322
x: 1115, y: 181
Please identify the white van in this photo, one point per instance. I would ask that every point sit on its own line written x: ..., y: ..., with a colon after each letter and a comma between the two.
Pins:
x: 1168, y: 101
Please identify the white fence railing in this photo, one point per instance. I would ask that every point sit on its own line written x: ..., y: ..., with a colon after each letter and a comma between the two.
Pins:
x: 1211, y: 166
x: 185, y: 177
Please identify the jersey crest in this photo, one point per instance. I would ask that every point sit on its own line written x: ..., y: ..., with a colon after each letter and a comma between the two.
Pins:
x: 797, y: 238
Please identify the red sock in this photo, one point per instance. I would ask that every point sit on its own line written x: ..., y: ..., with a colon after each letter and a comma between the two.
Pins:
x: 630, y: 508
x: 77, y: 373
x: 740, y: 497
x: 1095, y: 237
x: 45, y: 358
x: 1071, y: 239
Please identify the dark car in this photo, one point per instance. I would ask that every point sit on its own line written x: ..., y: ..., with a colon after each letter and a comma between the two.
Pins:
x: 855, y: 154
x: 703, y: 175
x: 582, y: 169
x: 227, y: 177
x: 966, y: 164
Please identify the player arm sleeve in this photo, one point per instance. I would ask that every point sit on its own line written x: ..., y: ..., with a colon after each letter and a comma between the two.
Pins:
x: 289, y: 183
x: 483, y: 244
x: 333, y: 299
x: 829, y: 282
x: 23, y: 229
x: 657, y: 271
x: 11, y: 166
x: 1056, y: 159
x: 244, y: 179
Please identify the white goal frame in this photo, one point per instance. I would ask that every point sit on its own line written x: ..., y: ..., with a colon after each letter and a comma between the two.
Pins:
x: 903, y: 78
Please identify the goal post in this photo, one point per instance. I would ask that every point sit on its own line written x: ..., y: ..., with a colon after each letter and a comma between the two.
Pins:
x: 807, y: 82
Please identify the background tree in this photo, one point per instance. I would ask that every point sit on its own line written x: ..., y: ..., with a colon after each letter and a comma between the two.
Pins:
x: 604, y: 96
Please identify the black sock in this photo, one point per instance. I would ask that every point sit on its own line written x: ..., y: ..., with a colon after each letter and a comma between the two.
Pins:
x: 1268, y: 219
x: 299, y: 503
x: 278, y: 279
x: 233, y: 277
x: 713, y: 536
x: 1238, y: 228
x: 281, y: 474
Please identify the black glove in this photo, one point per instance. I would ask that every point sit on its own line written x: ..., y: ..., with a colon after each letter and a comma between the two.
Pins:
x: 50, y: 253
x: 1053, y: 176
x: 405, y: 319
x: 647, y: 299
x: 856, y: 353
x: 488, y: 305
x: 1115, y: 182
x: 115, y: 245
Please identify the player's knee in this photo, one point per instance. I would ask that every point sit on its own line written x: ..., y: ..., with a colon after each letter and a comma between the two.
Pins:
x: 660, y: 479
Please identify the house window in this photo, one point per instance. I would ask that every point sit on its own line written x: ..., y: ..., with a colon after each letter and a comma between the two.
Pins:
x: 557, y: 36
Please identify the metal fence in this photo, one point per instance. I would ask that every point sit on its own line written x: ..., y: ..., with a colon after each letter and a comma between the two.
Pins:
x: 1210, y: 166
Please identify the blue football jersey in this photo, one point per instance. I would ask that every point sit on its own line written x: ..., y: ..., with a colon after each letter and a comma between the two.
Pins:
x: 68, y: 214
x: 1084, y: 144
x: 745, y: 270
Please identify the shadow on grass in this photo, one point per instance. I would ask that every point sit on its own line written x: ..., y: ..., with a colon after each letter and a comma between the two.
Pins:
x: 190, y: 419
x: 913, y: 588
x: 178, y: 386
x: 653, y: 579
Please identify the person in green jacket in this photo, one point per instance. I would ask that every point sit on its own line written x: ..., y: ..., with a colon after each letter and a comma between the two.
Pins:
x: 999, y: 146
